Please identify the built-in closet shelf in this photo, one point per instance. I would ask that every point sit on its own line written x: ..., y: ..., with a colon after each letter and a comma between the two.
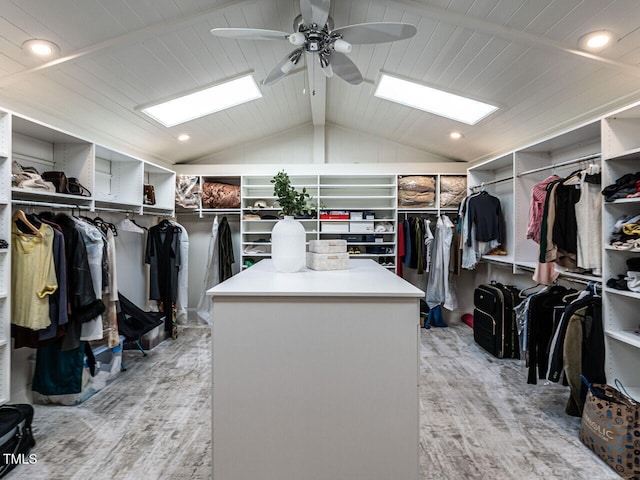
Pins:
x: 114, y: 204
x: 356, y: 196
x: 220, y: 211
x: 561, y: 272
x: 49, y: 197
x: 628, y: 155
x: 614, y: 249
x: 623, y: 201
x: 626, y: 336
x: 4, y: 294
x: 504, y: 259
x: 624, y: 293
x: 153, y: 210
x: 3, y: 342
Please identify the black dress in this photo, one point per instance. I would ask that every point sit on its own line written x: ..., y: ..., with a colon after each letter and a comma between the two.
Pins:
x: 163, y: 256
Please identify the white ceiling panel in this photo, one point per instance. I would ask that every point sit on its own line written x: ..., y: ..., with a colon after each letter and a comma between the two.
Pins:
x: 120, y: 54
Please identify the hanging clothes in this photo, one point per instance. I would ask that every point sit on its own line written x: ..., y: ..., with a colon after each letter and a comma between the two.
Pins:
x: 536, y: 207
x: 225, y: 245
x: 33, y: 277
x: 428, y: 244
x: 83, y: 303
x: 182, y: 300
x: 26, y: 337
x: 163, y: 256
x: 211, y: 275
x: 401, y: 249
x: 439, y: 289
x: 588, y: 218
x: 485, y: 212
x: 95, y: 246
x: 110, y: 298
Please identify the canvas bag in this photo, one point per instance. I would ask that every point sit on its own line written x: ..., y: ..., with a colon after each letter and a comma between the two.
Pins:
x: 611, y: 428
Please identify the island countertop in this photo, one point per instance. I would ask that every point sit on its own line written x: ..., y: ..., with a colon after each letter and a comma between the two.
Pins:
x: 364, y: 278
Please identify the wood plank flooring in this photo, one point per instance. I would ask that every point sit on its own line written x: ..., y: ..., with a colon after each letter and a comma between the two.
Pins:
x: 479, y: 419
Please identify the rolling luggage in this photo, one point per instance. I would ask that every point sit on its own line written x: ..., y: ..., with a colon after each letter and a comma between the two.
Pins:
x: 494, y: 322
x: 16, y: 438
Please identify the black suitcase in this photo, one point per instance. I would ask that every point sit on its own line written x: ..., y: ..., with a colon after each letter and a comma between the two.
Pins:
x: 16, y: 438
x: 494, y: 322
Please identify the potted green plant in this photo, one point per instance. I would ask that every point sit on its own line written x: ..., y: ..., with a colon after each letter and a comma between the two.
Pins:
x: 288, y: 237
x: 292, y: 202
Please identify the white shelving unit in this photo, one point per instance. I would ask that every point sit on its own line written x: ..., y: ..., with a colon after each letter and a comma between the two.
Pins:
x: 511, y: 178
x: 114, y: 181
x: 621, y: 155
x: 496, y: 178
x: 255, y: 234
x: 5, y: 256
x: 163, y: 180
x: 360, y: 195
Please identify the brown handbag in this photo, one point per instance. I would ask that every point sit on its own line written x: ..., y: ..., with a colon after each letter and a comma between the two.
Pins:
x: 149, y: 195
x: 59, y: 180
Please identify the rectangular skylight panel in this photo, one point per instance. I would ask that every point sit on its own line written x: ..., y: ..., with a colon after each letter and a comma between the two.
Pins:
x: 205, y: 102
x: 432, y: 100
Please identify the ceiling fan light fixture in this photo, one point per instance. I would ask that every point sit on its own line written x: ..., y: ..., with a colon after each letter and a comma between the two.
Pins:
x: 432, y: 100
x: 341, y: 46
x: 204, y: 102
x: 297, y: 38
x: 287, y: 66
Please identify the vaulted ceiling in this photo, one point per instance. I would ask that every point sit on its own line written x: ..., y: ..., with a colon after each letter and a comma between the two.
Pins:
x: 116, y: 55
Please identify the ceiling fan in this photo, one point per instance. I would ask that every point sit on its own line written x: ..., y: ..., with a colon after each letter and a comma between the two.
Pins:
x: 314, y: 34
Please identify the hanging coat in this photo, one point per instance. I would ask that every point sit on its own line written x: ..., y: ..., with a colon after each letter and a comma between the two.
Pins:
x: 182, y: 300
x: 439, y: 291
x: 211, y: 276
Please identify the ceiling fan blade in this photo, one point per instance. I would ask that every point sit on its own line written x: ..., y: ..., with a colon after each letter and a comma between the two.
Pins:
x: 283, y: 68
x: 380, y: 32
x: 315, y: 11
x: 249, y: 34
x: 345, y: 68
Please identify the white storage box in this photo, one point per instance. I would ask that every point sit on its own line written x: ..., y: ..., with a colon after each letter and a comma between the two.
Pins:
x: 328, y: 246
x: 355, y: 216
x: 361, y: 227
x: 335, y: 227
x: 327, y: 261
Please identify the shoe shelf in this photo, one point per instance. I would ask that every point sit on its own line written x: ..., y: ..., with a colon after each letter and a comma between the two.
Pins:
x: 621, y: 152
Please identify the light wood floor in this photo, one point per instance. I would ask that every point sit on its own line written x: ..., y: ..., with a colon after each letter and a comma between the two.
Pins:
x: 479, y: 419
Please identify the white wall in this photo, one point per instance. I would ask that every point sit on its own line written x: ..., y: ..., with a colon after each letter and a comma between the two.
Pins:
x: 341, y: 145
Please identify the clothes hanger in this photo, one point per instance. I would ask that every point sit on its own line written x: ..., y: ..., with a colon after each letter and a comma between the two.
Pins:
x: 19, y: 215
x: 522, y: 293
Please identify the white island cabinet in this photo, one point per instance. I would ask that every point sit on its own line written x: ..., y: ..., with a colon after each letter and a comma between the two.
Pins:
x: 315, y: 375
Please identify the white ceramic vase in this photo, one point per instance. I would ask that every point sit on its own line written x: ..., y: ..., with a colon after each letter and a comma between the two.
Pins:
x: 288, y: 250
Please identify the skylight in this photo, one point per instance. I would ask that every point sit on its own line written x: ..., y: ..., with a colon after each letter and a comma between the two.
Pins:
x: 204, y: 102
x: 432, y: 100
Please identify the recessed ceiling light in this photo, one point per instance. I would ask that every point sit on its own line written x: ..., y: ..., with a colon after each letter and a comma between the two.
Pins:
x: 432, y: 100
x: 184, y: 137
x: 455, y: 135
x: 41, y: 48
x: 204, y: 101
x: 595, y: 41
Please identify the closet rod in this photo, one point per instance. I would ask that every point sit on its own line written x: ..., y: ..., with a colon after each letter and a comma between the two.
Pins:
x: 66, y: 206
x: 120, y: 210
x: 563, y: 276
x: 492, y: 182
x: 561, y: 164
